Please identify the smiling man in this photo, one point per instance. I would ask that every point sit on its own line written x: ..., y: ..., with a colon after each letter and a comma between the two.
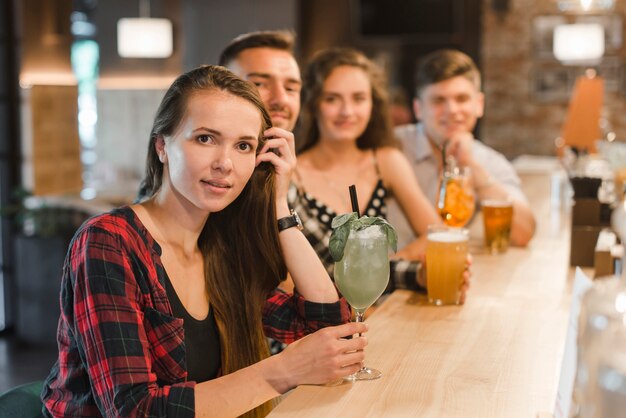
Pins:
x: 448, y: 104
x: 266, y: 59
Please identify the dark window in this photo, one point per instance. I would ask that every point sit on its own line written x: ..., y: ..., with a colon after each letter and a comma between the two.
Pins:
x: 410, y: 17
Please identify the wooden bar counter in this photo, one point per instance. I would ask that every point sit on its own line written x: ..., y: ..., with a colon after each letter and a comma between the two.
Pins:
x: 499, y: 355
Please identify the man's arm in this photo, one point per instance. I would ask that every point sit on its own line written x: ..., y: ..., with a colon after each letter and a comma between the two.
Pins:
x: 488, y: 187
x: 490, y: 182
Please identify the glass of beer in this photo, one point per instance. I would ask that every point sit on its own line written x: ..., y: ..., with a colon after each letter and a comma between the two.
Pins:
x: 497, y: 218
x: 455, y: 202
x: 446, y: 257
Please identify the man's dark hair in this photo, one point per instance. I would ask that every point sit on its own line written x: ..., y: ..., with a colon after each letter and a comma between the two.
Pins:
x: 279, y: 39
x: 442, y: 65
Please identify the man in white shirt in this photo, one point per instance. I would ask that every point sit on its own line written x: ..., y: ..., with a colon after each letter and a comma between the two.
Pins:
x: 447, y: 105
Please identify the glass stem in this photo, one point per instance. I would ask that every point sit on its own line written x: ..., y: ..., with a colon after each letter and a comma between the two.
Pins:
x: 359, y: 317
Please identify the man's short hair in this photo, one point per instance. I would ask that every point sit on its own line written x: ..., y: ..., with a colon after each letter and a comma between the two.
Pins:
x: 442, y: 65
x: 280, y: 39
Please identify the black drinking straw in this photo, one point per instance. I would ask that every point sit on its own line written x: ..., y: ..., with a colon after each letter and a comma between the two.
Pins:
x: 444, y: 161
x: 354, y: 200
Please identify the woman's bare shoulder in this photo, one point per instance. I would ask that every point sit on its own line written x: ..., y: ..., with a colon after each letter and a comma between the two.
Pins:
x: 389, y: 156
x: 304, y: 159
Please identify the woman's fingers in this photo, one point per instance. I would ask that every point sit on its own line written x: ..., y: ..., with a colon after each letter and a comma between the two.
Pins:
x: 282, y: 133
x: 352, y: 357
x: 279, y: 144
x: 278, y: 161
x: 282, y: 151
x: 326, y: 354
x: 281, y: 140
x: 346, y: 330
x: 279, y: 150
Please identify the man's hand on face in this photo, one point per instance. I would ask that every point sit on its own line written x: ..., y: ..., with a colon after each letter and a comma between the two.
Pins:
x: 460, y: 147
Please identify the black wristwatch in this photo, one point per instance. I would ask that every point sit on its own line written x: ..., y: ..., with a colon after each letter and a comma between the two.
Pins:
x: 290, y: 221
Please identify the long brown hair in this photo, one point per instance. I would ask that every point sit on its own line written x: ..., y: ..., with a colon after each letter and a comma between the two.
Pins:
x: 379, y: 130
x: 242, y: 256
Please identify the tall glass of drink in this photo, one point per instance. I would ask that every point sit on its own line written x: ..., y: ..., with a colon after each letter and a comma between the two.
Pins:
x: 362, y: 275
x: 455, y: 202
x: 497, y: 218
x: 446, y: 257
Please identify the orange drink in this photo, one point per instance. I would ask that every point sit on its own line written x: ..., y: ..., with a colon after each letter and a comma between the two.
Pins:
x: 456, y: 197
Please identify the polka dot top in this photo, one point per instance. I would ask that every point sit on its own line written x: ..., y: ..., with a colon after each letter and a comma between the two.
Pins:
x: 375, y: 206
x: 317, y: 219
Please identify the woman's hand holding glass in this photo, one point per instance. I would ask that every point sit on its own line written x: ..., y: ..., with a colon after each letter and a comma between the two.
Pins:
x: 321, y: 357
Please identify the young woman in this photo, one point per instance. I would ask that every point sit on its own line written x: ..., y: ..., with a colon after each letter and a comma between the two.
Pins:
x: 164, y: 304
x: 345, y: 138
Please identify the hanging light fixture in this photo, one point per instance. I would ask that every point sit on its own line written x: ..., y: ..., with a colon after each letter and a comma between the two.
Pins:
x: 144, y: 37
x: 579, y: 43
x: 585, y: 5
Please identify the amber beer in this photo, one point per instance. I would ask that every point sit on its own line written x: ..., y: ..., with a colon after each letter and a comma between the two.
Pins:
x: 497, y: 218
x: 446, y: 255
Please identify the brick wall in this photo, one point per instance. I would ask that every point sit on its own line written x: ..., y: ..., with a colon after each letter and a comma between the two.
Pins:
x: 516, y: 121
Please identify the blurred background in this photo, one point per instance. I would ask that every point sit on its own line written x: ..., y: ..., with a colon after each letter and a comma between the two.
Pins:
x: 77, y: 101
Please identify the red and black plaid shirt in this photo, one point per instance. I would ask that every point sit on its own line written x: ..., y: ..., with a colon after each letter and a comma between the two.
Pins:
x: 121, y: 352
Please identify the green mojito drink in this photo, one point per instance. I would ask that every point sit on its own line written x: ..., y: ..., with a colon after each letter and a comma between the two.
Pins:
x: 360, y: 248
x: 363, y: 273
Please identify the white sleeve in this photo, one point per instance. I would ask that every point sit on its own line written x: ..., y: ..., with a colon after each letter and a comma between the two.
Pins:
x: 500, y: 169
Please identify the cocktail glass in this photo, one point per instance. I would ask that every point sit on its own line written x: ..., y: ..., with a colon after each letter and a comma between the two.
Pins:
x: 362, y: 275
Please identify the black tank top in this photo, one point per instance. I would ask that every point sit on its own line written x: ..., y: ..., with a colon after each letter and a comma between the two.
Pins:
x: 202, y: 340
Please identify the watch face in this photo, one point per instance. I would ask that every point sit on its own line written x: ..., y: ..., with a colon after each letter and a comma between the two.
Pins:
x: 290, y: 221
x: 298, y: 220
